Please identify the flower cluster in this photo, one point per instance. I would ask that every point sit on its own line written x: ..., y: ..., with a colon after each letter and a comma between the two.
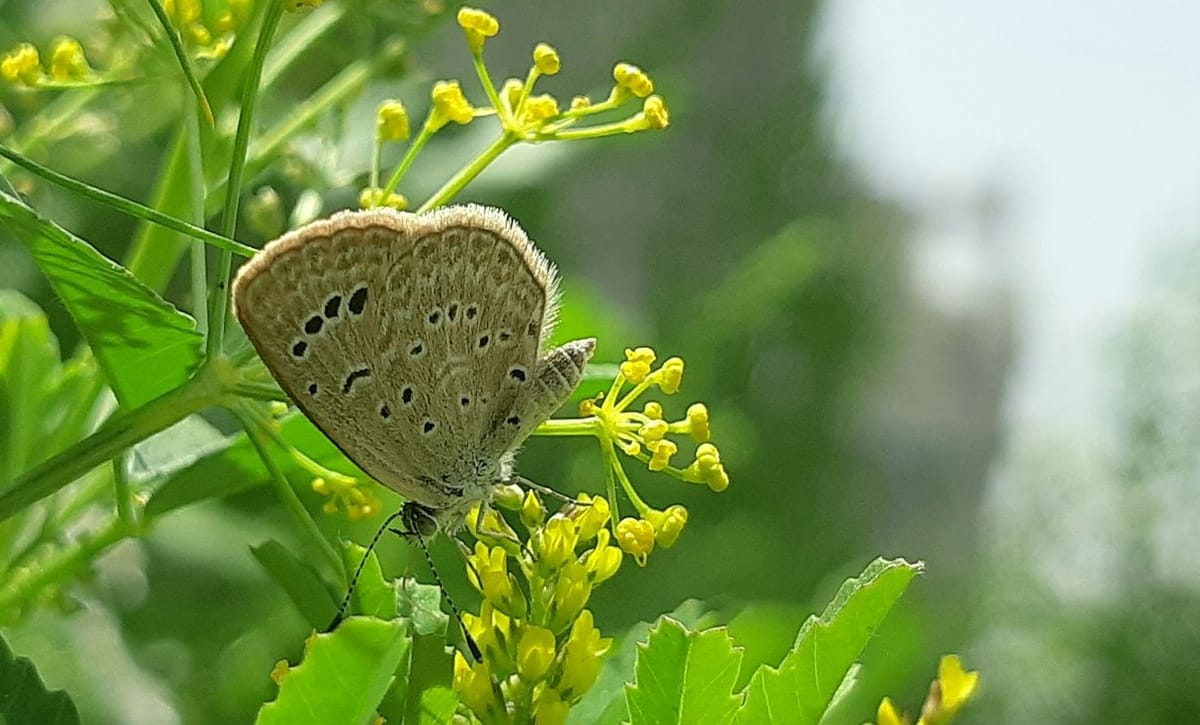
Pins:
x: 646, y: 435
x: 22, y: 66
x: 953, y: 687
x: 523, y: 115
x: 541, y: 649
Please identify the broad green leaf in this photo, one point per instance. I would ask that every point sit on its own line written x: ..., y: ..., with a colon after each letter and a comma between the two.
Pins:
x: 804, y: 685
x: 343, y: 677
x: 29, y: 372
x: 144, y: 345
x: 299, y: 580
x: 175, y: 449
x: 684, y: 677
x: 25, y: 699
x: 604, y: 704
x: 238, y: 468
x: 374, y: 596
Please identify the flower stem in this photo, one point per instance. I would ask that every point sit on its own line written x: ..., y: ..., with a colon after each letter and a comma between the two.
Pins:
x: 469, y: 172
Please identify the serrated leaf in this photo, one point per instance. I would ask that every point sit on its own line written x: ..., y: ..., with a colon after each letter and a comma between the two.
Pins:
x: 144, y: 345
x: 684, y: 676
x: 804, y: 685
x: 238, y: 468
x: 300, y: 581
x: 422, y: 604
x: 344, y: 675
x: 604, y: 703
x: 24, y: 697
x: 373, y: 595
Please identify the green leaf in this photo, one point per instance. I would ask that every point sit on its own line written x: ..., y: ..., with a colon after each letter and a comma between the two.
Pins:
x: 422, y: 603
x: 343, y: 677
x: 25, y: 699
x: 374, y: 596
x: 144, y: 345
x: 804, y: 685
x: 29, y: 372
x: 238, y: 468
x: 175, y: 449
x: 604, y: 703
x: 684, y: 676
x: 299, y: 580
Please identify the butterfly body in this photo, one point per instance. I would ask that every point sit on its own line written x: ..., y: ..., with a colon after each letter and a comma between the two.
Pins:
x: 415, y: 342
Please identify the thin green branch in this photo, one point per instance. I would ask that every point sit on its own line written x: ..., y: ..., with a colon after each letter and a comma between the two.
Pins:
x: 468, y: 173
x: 127, y: 206
x: 184, y: 65
x: 219, y: 291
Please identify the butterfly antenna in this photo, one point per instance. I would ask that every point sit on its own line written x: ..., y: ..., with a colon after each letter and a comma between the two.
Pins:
x: 415, y: 532
x: 341, y: 612
x: 550, y: 492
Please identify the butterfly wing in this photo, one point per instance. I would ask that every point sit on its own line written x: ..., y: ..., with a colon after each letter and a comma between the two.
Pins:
x: 403, y: 337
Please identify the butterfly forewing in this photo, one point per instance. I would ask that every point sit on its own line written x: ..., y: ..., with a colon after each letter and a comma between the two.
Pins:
x: 403, y: 337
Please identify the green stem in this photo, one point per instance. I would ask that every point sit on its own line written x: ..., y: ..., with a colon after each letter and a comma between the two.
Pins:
x: 427, y: 131
x: 569, y: 427
x: 123, y: 492
x: 485, y: 80
x: 468, y: 172
x: 116, y: 434
x: 127, y: 206
x: 181, y: 56
x: 21, y: 585
x: 252, y: 424
x: 219, y: 292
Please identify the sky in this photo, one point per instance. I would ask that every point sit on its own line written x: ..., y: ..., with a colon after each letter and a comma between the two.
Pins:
x: 1081, y: 119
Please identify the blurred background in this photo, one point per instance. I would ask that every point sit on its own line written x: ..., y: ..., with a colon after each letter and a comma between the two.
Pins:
x: 932, y: 267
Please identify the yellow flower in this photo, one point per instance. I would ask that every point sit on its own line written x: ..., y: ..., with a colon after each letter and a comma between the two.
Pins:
x: 697, y: 421
x: 653, y: 410
x: 957, y: 685
x: 654, y: 431
x: 581, y: 657
x: 22, y: 66
x: 478, y: 26
x: 631, y: 77
x: 391, y: 121
x: 637, y: 364
x: 663, y: 451
x: 545, y: 59
x: 667, y: 524
x: 707, y: 468
x: 887, y: 715
x: 578, y: 103
x: 492, y: 632
x: 571, y: 592
x: 636, y: 538
x: 540, y: 108
x: 535, y: 653
x: 67, y: 61
x: 670, y: 375
x: 549, y: 708
x: 591, y: 516
x: 603, y: 561
x: 488, y: 571
x: 554, y: 544
x: 450, y: 104
x: 473, y: 683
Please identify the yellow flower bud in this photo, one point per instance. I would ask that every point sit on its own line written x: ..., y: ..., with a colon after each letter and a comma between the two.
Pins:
x: 545, y: 59
x: 450, y: 103
x: 663, y: 451
x: 478, y: 26
x: 655, y: 113
x: 549, y: 708
x: 391, y: 121
x: 571, y: 592
x: 197, y: 34
x: 636, y: 538
x: 631, y: 77
x: 956, y: 686
x: 578, y: 103
x: 532, y: 511
x: 637, y: 364
x: 372, y: 197
x: 887, y: 715
x: 670, y: 375
x: 581, y: 657
x: 511, y: 91
x: 22, y: 66
x: 630, y: 446
x: 603, y: 561
x: 67, y: 61
x: 667, y: 524
x: 653, y: 410
x: 554, y: 544
x: 535, y: 653
x: 509, y: 496
x: 540, y: 108
x: 654, y: 431
x: 697, y: 418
